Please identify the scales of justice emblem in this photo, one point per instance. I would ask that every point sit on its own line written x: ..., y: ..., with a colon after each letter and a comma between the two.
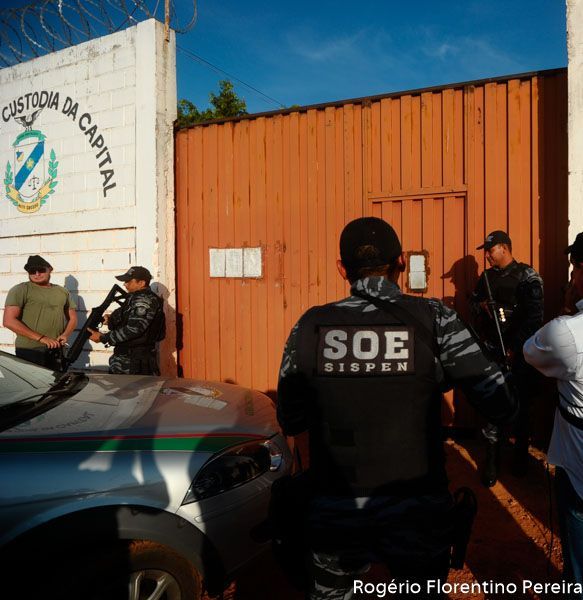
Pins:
x: 30, y: 179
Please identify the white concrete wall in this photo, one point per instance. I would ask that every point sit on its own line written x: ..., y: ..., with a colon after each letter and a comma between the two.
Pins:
x: 575, y: 54
x: 109, y: 119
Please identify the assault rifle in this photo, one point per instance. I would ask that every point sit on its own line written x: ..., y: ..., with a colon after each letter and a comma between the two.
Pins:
x: 498, y: 315
x: 116, y: 294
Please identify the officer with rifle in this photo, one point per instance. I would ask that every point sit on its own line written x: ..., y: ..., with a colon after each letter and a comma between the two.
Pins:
x: 507, y: 306
x: 135, y: 327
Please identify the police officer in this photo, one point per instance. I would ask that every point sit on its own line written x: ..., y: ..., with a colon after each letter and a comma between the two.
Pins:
x: 364, y: 376
x: 517, y: 305
x: 135, y: 327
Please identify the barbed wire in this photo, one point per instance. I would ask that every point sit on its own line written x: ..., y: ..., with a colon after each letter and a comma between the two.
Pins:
x: 49, y: 25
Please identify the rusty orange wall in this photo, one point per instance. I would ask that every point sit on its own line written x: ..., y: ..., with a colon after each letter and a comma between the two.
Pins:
x: 445, y: 166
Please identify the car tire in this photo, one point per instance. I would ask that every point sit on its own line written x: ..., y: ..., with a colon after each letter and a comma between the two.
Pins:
x: 140, y: 570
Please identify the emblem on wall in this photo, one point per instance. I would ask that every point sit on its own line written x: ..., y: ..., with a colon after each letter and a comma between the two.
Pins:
x: 31, y: 178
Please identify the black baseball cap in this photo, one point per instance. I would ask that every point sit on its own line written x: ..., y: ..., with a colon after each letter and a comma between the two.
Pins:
x: 576, y: 248
x: 368, y: 242
x: 139, y: 273
x: 36, y: 261
x: 496, y: 237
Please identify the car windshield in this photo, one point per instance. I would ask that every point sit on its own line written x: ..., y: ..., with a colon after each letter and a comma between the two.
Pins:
x: 20, y: 379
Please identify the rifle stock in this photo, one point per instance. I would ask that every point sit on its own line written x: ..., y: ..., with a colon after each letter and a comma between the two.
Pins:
x: 116, y: 294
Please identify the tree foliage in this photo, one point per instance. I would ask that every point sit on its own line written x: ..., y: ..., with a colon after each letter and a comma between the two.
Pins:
x: 224, y: 104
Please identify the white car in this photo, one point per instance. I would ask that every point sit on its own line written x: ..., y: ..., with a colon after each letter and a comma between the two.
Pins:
x: 134, y: 487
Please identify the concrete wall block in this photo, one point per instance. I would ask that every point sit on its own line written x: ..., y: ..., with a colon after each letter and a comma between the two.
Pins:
x: 75, y: 182
x: 6, y: 337
x: 101, y: 65
x: 124, y: 57
x: 73, y: 75
x: 67, y: 164
x: 61, y: 202
x: 124, y: 238
x: 129, y: 78
x: 73, y: 146
x: 29, y: 244
x: 89, y: 261
x: 116, y: 261
x: 111, y: 81
x: 122, y: 136
x: 129, y: 155
x: 89, y: 300
x: 125, y: 174
x: 109, y: 119
x: 123, y: 97
x: 84, y: 88
x: 100, y: 240
x: 83, y: 280
x: 13, y: 279
x: 53, y: 243
x: 88, y: 200
x: 129, y: 115
x: 5, y: 264
x: 81, y: 163
x: 8, y: 246
x: 64, y: 264
x: 53, y: 78
x: 103, y: 280
x: 97, y: 103
x: 113, y: 197
x: 129, y: 194
x: 116, y: 199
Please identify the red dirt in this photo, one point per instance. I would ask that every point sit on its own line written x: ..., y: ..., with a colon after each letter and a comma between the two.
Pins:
x: 511, y: 539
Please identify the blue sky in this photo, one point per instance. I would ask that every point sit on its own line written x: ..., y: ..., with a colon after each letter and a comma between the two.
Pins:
x: 304, y: 52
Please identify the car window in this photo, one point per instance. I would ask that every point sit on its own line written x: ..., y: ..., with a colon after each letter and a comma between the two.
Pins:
x: 20, y: 379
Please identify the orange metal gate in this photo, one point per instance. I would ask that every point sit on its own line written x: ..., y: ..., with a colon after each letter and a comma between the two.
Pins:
x: 445, y: 166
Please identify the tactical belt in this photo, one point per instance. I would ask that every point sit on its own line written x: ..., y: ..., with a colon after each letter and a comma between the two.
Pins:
x: 570, y: 417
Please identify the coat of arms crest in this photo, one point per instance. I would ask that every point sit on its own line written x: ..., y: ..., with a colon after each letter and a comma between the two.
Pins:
x: 30, y: 179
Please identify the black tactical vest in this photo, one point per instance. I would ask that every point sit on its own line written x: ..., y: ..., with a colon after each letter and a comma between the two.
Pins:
x: 375, y: 414
x: 503, y: 283
x: 154, y: 333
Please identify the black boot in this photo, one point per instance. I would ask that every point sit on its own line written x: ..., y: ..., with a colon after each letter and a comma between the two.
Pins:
x: 490, y: 470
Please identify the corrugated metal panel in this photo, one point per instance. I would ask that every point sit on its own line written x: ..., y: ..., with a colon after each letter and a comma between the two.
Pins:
x: 444, y: 166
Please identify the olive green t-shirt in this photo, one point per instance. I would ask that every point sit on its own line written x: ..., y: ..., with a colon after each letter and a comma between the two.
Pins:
x: 44, y: 309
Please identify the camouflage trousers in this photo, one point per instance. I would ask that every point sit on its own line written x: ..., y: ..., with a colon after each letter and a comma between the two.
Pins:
x: 404, y: 534
x: 136, y: 361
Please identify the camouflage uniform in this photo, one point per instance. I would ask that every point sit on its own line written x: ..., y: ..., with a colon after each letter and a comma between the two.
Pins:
x: 518, y: 290
x: 460, y: 362
x: 135, y: 327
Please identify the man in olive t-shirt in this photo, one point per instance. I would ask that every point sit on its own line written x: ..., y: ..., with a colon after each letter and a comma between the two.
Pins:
x: 42, y: 314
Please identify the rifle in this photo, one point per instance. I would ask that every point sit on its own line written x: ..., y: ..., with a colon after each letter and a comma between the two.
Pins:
x: 498, y: 315
x: 116, y: 294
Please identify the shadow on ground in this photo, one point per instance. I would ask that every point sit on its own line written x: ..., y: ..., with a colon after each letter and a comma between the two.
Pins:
x: 512, y: 538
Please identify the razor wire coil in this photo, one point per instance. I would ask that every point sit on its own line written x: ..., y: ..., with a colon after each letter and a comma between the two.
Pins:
x: 46, y: 26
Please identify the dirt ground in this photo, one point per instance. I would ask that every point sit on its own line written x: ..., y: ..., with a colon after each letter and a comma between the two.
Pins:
x: 515, y: 534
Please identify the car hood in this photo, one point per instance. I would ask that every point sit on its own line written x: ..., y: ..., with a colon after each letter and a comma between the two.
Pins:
x: 114, y: 412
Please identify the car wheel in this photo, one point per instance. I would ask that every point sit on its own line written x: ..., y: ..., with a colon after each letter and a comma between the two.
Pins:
x: 140, y: 570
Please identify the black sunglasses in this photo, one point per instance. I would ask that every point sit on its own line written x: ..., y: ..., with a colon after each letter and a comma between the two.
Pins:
x: 33, y: 270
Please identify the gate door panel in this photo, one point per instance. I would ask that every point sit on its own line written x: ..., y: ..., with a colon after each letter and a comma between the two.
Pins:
x: 435, y: 226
